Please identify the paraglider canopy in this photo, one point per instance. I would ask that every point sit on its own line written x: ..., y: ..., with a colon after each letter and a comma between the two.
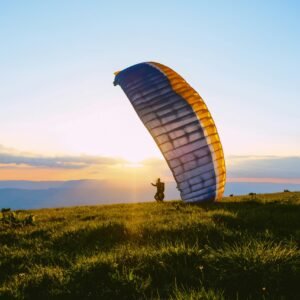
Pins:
x: 182, y: 127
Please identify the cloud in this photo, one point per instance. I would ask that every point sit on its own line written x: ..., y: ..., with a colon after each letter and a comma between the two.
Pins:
x: 11, y: 157
x: 238, y: 167
x: 263, y: 166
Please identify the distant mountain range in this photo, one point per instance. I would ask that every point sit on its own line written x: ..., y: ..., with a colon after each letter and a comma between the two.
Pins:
x: 33, y: 194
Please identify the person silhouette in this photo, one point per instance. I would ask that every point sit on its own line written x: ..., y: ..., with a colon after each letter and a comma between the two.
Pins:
x: 160, y: 186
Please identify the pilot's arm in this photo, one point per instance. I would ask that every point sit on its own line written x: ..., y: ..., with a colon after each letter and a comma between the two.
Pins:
x: 153, y: 184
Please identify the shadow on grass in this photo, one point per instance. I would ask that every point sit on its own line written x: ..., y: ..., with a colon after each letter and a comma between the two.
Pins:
x: 140, y: 275
x: 280, y: 219
x: 189, y: 234
x: 103, y: 236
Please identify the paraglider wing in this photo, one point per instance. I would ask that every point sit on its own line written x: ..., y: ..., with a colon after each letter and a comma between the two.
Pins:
x: 182, y: 127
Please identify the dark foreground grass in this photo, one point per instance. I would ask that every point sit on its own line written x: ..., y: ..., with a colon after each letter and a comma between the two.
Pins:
x: 240, y: 248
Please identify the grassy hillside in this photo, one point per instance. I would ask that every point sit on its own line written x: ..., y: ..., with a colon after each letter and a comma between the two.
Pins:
x: 241, y: 248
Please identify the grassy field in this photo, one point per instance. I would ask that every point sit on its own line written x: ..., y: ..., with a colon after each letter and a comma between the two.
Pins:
x: 240, y: 248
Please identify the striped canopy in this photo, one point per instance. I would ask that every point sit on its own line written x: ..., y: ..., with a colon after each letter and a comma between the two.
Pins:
x: 182, y: 127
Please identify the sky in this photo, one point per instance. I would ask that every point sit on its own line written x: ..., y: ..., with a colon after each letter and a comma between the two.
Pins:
x: 62, y: 118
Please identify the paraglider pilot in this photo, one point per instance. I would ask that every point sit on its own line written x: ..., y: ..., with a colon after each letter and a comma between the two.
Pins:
x: 160, y: 186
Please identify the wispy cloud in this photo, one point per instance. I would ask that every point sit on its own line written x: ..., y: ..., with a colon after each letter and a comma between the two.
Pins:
x: 11, y: 157
x: 263, y: 167
x: 239, y: 168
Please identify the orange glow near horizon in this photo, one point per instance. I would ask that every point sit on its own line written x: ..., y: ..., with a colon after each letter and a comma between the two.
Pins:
x: 41, y: 174
x: 122, y: 173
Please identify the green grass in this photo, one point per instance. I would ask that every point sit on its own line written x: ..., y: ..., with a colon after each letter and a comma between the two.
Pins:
x: 240, y: 248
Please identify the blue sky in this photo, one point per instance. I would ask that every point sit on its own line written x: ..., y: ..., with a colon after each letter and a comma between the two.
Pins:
x: 57, y: 60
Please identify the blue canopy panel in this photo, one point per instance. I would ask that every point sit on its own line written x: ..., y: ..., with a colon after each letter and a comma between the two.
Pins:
x: 176, y: 129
